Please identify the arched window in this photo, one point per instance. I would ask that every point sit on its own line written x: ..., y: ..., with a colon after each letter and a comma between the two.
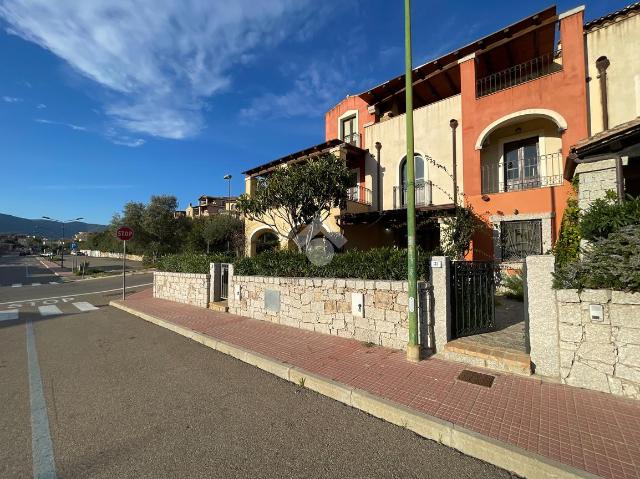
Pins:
x: 420, y: 169
x: 267, y: 241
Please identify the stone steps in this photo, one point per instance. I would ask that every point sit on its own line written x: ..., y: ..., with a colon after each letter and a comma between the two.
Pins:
x: 221, y: 306
x: 491, y: 357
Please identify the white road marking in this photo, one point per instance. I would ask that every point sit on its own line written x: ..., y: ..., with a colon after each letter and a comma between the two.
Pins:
x: 35, y: 284
x: 54, y: 282
x: 8, y: 315
x: 49, y: 310
x: 80, y: 294
x: 16, y: 285
x: 85, y: 306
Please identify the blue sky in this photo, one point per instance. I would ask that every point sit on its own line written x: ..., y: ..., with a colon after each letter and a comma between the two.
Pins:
x: 105, y: 102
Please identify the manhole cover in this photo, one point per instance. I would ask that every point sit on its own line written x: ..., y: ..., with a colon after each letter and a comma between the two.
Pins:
x: 473, y: 377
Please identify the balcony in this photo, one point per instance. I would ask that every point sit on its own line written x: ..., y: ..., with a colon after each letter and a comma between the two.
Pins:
x: 524, y: 72
x: 523, y: 174
x: 423, y: 195
x: 360, y: 195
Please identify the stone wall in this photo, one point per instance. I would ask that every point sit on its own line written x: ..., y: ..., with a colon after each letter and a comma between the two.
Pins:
x: 594, y: 180
x: 182, y: 287
x: 325, y: 305
x: 602, y: 355
x: 106, y: 254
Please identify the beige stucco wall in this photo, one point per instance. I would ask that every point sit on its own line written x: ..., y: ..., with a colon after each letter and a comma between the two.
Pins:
x: 619, y: 42
x: 549, y: 142
x: 432, y: 137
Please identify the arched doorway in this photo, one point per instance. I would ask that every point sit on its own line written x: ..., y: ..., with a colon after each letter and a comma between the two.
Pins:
x: 264, y: 240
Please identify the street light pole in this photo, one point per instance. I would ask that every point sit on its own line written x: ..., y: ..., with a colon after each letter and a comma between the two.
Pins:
x: 413, y: 347
x: 62, y: 223
x: 228, y: 178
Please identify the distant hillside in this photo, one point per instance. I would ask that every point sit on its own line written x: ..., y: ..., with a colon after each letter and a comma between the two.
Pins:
x: 46, y: 228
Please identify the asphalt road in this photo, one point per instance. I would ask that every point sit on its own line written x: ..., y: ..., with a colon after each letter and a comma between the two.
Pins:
x: 24, y: 270
x: 103, y: 264
x: 124, y: 398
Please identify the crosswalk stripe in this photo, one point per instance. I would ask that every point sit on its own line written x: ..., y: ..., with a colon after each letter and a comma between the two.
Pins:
x: 49, y: 310
x: 84, y: 306
x: 8, y: 315
x: 16, y: 285
x: 54, y: 282
x: 35, y: 284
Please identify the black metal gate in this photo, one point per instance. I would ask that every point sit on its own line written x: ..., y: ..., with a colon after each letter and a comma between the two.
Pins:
x: 473, y: 288
x: 224, y: 281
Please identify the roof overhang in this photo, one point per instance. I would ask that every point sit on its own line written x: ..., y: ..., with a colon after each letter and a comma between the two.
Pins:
x: 619, y: 141
x: 316, y: 150
x: 395, y: 218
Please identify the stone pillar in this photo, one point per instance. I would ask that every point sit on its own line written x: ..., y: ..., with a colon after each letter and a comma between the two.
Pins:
x: 231, y: 295
x: 440, y: 271
x: 215, y: 269
x: 541, y: 315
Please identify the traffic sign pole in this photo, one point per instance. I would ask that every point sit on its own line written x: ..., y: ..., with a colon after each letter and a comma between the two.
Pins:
x: 123, y: 233
x: 124, y: 267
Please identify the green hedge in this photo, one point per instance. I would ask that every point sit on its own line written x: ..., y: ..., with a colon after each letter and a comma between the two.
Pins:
x: 378, y: 263
x: 190, y: 262
x: 608, y: 263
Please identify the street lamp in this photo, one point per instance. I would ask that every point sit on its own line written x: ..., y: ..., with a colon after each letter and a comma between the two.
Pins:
x: 228, y: 178
x: 62, y: 223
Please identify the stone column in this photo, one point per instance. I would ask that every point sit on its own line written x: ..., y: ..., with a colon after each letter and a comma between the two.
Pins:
x: 440, y: 271
x: 541, y: 315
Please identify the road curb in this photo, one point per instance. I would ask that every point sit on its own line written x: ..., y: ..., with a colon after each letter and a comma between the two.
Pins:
x: 493, y: 451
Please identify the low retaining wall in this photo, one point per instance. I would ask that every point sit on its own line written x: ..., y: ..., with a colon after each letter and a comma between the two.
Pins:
x: 182, y: 287
x: 106, y: 254
x: 600, y: 354
x: 325, y: 305
x: 330, y: 306
x: 571, y: 341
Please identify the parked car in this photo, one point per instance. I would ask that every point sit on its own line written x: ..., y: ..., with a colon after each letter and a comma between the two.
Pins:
x: 22, y: 253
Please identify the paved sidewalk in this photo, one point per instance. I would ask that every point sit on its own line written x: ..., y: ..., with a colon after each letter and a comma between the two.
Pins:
x: 55, y: 268
x: 587, y: 430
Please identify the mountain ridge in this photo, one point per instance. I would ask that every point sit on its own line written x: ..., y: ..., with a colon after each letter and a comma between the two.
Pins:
x: 10, y: 224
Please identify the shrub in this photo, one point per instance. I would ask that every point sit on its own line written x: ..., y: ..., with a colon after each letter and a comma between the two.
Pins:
x: 606, y: 216
x: 513, y: 285
x: 378, y: 263
x: 190, y: 262
x: 567, y: 248
x: 608, y: 263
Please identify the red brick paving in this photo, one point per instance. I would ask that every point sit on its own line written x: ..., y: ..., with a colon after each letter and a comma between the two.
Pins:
x: 589, y: 430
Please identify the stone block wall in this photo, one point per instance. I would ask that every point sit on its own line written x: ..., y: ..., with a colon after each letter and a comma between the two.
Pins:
x: 182, y: 287
x: 601, y: 355
x: 325, y: 305
x: 106, y: 254
x: 595, y: 179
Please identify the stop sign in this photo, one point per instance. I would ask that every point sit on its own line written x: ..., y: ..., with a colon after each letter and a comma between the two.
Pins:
x: 124, y: 233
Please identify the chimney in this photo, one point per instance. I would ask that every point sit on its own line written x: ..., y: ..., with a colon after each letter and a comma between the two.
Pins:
x: 602, y: 64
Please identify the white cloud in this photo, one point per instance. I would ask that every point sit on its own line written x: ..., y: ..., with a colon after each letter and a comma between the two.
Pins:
x: 68, y: 125
x: 118, y: 138
x: 11, y: 99
x: 41, y: 106
x: 162, y: 58
x: 314, y: 90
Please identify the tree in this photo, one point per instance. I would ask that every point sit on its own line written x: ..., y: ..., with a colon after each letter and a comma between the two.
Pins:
x: 297, y: 194
x: 458, y: 232
x: 225, y: 232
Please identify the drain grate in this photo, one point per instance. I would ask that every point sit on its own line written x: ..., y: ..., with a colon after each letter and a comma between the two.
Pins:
x: 473, y: 377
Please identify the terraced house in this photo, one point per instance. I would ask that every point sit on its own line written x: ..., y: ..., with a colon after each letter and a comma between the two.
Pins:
x: 494, y: 124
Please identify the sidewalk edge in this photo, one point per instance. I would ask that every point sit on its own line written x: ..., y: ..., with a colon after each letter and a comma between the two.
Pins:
x: 471, y: 443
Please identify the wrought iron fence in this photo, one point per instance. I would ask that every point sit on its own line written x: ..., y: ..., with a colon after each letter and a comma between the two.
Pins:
x: 523, y: 174
x: 519, y: 239
x: 423, y: 195
x: 529, y: 70
x: 224, y: 281
x: 359, y: 194
x: 473, y: 289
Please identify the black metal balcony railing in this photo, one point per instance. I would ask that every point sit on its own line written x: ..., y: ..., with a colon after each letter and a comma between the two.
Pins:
x: 524, y: 72
x: 359, y: 194
x: 353, y: 139
x: 523, y: 174
x: 423, y: 195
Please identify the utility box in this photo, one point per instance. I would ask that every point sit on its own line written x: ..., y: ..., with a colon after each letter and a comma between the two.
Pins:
x: 596, y: 312
x: 357, y: 304
x: 236, y: 292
